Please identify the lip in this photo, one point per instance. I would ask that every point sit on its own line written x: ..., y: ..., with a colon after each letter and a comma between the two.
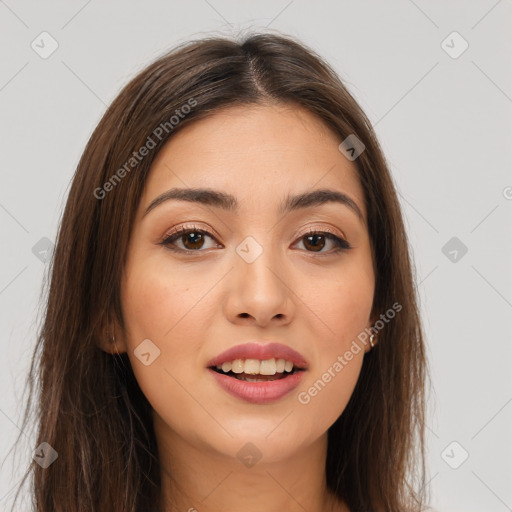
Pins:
x: 255, y: 350
x: 258, y: 392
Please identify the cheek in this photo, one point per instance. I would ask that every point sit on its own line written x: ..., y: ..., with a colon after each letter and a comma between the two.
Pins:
x: 343, y: 308
x: 325, y: 395
x: 163, y: 305
x: 342, y: 305
x: 158, y: 301
x: 158, y: 306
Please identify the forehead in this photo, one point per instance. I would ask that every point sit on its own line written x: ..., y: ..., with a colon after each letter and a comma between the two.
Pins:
x: 255, y: 153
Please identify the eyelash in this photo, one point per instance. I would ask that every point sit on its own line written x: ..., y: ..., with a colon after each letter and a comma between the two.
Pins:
x: 341, y: 244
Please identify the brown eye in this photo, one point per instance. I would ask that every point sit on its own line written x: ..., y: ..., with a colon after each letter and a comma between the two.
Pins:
x: 315, y: 242
x: 191, y: 239
x: 195, y: 238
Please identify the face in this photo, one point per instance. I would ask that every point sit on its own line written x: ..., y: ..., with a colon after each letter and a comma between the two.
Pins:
x: 250, y: 273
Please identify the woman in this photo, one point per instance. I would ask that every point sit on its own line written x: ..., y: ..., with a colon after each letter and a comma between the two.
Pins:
x: 232, y: 320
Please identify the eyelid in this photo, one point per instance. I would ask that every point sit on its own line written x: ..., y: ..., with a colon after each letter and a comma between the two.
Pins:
x: 323, y: 228
x: 191, y: 227
x: 298, y: 233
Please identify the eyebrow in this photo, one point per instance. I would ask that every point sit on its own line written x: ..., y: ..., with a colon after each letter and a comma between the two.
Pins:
x: 228, y: 202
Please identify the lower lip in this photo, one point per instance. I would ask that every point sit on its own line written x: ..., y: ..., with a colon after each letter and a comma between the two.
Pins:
x: 264, y: 392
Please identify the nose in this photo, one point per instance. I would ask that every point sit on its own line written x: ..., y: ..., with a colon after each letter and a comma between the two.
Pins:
x: 259, y: 291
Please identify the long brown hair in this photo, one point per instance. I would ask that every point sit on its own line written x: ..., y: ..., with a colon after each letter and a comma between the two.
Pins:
x: 90, y: 409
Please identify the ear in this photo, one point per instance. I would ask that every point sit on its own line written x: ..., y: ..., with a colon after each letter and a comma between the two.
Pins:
x: 367, y: 346
x: 109, y: 336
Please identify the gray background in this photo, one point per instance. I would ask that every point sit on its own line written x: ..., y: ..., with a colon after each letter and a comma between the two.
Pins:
x: 445, y: 127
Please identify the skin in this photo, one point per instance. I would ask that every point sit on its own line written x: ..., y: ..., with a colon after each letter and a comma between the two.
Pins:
x: 195, y: 306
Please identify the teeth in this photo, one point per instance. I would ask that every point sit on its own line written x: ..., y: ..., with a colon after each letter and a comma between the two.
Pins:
x: 252, y: 366
x: 255, y: 366
x: 237, y: 366
x: 268, y: 367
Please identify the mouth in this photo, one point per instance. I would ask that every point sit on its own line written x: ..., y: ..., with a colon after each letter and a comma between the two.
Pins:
x: 258, y: 373
x: 254, y: 370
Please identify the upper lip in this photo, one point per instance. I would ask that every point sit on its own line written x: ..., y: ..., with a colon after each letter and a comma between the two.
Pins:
x: 260, y: 351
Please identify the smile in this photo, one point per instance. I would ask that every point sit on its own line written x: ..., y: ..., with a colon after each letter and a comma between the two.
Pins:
x: 258, y: 373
